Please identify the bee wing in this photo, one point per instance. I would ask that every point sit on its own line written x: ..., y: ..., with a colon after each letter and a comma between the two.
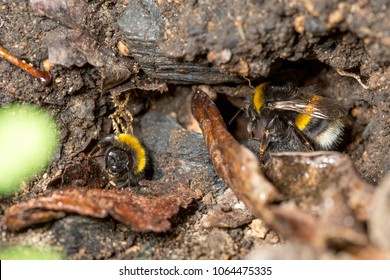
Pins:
x: 317, y: 106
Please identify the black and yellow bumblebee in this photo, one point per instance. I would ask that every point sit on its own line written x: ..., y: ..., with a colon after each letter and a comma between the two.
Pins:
x: 124, y: 159
x: 280, y: 111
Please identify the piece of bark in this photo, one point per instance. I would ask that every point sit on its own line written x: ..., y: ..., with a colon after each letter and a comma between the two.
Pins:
x: 144, y: 212
x: 142, y: 24
x: 71, y: 44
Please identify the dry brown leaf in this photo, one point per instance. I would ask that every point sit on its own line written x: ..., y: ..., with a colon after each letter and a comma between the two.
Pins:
x: 145, y: 210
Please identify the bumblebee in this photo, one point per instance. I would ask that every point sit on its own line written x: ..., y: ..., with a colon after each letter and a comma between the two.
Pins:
x: 124, y: 159
x: 279, y: 111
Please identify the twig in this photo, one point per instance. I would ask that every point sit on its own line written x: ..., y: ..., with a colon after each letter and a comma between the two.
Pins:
x: 352, y: 75
x: 43, y: 76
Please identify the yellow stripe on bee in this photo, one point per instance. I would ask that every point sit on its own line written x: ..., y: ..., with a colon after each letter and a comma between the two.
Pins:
x: 258, y: 97
x: 133, y: 142
x: 301, y: 121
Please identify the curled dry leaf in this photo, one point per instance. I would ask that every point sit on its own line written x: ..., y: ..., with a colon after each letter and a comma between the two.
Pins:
x: 229, y: 212
x: 72, y: 45
x: 304, y: 177
x: 146, y: 210
x: 61, y: 48
x: 324, y: 184
x: 240, y: 170
x: 82, y: 172
x: 226, y: 217
x: 68, y: 12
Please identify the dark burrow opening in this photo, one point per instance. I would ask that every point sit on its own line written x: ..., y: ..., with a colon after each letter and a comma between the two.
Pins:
x: 308, y: 73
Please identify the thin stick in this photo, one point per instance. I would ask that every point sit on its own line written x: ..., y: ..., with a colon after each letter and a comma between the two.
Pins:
x: 43, y: 76
x: 352, y: 75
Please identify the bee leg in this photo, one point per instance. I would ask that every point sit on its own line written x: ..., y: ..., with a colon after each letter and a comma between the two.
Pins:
x: 266, y: 139
x: 101, y: 145
x: 119, y: 185
x: 235, y: 116
x: 303, y: 138
x: 251, y: 128
x: 128, y: 179
x: 264, y: 145
x: 95, y: 150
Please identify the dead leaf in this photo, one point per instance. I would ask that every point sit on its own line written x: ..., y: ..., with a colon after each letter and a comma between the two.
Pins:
x: 146, y: 210
x: 72, y: 45
x: 305, y: 177
x: 219, y: 216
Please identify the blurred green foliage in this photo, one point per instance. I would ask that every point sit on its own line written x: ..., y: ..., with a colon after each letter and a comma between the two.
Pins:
x: 29, y: 253
x: 28, y: 141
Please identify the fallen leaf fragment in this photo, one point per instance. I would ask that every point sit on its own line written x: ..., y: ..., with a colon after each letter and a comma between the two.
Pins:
x: 306, y: 178
x: 61, y: 50
x: 71, y: 44
x: 82, y: 172
x: 68, y: 12
x: 145, y: 211
x: 69, y: 47
x: 226, y: 218
x: 229, y: 212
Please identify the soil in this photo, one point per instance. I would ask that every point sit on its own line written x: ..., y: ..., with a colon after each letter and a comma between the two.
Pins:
x: 309, y: 43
